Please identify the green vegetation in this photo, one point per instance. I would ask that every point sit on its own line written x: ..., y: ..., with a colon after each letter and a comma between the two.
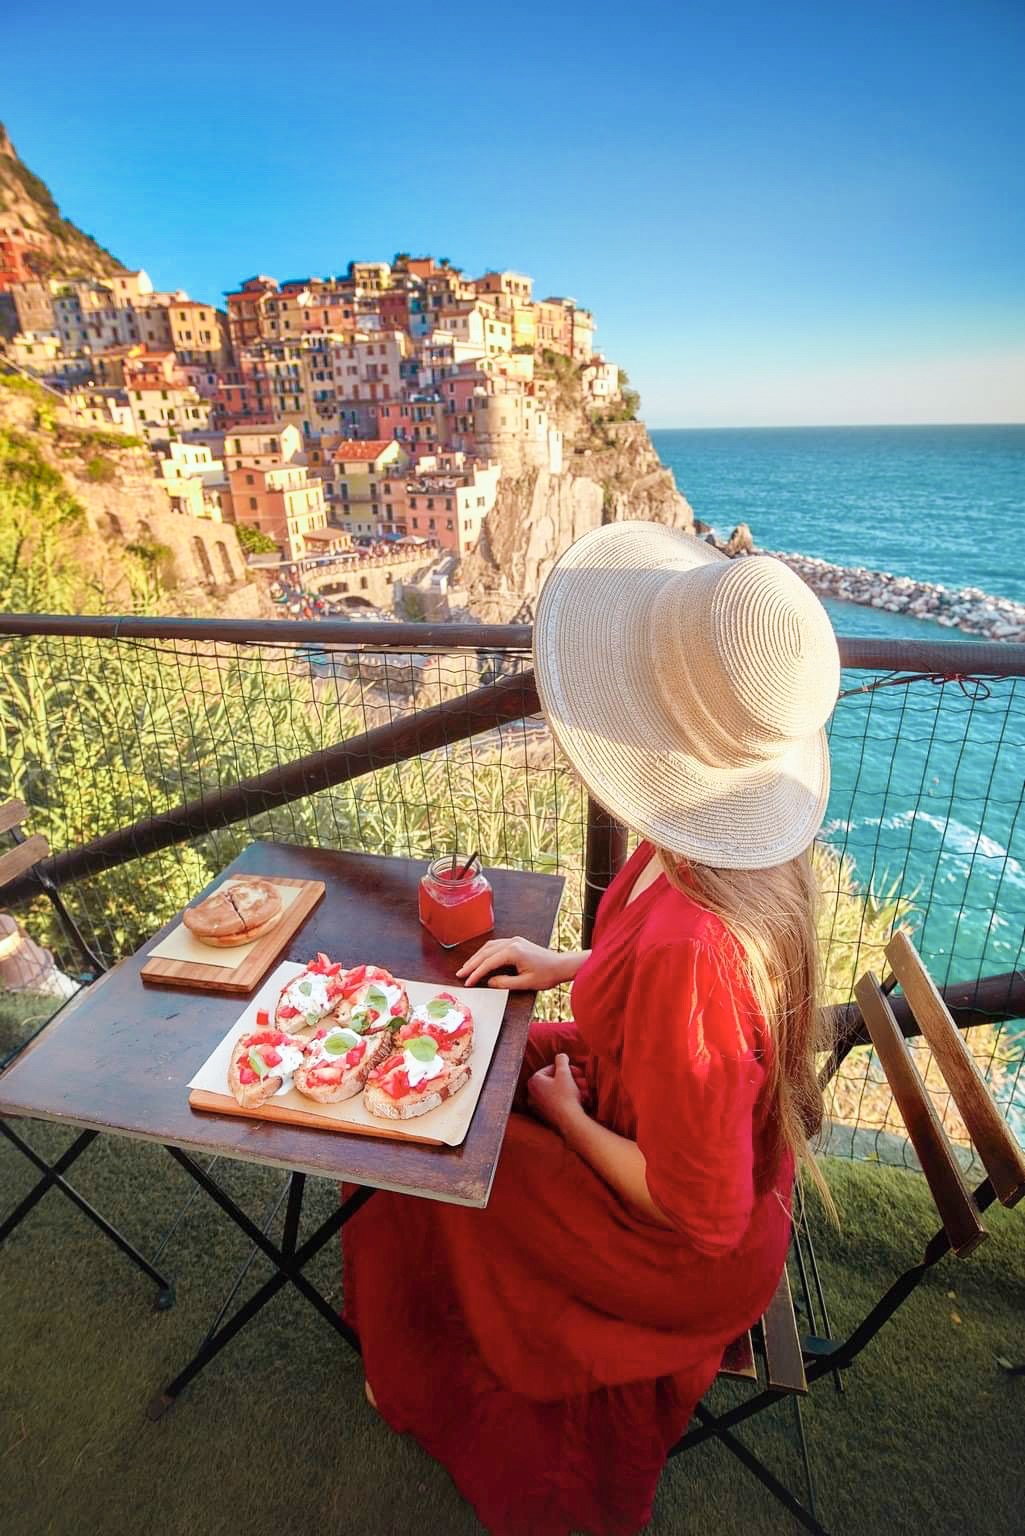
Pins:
x: 925, y: 1409
x: 100, y: 437
x: 254, y: 541
x: 100, y: 470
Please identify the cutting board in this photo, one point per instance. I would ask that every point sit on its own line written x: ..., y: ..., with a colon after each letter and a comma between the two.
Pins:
x: 445, y: 1126
x: 240, y: 979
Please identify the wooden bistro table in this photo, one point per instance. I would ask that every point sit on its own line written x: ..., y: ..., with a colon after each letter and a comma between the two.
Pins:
x: 118, y: 1060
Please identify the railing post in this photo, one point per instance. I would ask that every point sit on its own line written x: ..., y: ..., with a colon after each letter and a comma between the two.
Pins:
x: 604, y: 857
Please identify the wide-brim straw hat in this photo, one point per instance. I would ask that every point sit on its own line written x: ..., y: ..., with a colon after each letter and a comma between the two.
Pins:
x: 690, y: 691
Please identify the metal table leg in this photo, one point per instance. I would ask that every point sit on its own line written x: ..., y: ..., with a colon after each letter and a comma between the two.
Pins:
x: 289, y: 1261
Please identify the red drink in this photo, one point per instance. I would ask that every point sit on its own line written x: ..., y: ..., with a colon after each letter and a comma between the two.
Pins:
x: 455, y: 909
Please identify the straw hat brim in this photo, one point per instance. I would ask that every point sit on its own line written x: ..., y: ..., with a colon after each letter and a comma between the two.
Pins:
x: 592, y: 648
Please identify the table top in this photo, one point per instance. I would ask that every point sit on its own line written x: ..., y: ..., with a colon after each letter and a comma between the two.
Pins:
x: 119, y: 1057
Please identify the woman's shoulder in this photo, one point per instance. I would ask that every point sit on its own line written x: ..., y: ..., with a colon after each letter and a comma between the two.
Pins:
x: 677, y: 917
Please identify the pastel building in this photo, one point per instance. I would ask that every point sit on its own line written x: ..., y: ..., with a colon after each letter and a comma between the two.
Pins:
x: 196, y: 483
x: 446, y: 497
x: 162, y: 412
x: 361, y: 469
x: 199, y: 334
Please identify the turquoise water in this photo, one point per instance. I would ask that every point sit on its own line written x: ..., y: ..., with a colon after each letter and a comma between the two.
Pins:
x: 939, y: 503
x: 927, y: 794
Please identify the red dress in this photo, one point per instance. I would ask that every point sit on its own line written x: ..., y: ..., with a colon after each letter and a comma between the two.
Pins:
x: 549, y: 1349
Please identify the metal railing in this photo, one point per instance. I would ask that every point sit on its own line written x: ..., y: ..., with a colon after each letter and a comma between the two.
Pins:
x: 150, y: 750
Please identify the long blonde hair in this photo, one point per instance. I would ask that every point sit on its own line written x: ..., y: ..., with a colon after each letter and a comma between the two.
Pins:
x: 772, y: 915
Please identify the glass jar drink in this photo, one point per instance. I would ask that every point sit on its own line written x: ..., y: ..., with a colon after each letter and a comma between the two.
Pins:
x: 455, y: 906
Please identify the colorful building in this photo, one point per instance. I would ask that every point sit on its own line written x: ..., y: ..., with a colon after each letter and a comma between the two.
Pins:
x: 361, y: 469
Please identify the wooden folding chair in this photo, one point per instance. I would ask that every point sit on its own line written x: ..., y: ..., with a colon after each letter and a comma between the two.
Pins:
x: 25, y: 855
x: 790, y: 1368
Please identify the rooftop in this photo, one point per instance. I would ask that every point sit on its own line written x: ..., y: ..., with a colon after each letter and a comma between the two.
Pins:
x: 362, y: 450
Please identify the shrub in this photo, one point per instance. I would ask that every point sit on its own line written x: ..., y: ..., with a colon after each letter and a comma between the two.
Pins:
x: 100, y: 470
x: 253, y: 541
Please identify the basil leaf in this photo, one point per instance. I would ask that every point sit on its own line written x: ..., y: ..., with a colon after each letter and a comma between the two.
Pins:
x: 376, y: 998
x: 257, y: 1063
x: 358, y: 1021
x: 306, y: 988
x: 313, y: 1018
x: 422, y: 1047
x: 397, y: 1023
x: 340, y: 1041
x: 438, y: 1009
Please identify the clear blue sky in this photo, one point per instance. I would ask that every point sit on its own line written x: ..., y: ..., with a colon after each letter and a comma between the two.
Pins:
x: 779, y: 212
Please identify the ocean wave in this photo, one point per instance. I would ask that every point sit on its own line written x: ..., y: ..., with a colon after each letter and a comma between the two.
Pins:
x: 956, y: 841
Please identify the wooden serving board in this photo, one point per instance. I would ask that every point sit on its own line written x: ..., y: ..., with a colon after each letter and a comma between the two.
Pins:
x: 224, y: 1104
x: 446, y: 1125
x: 239, y: 980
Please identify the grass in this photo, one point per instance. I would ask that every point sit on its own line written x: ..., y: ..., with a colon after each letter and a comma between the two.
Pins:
x: 930, y: 1435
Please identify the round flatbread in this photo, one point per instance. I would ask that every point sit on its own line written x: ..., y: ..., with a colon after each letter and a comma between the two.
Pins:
x: 446, y: 1021
x: 237, y: 913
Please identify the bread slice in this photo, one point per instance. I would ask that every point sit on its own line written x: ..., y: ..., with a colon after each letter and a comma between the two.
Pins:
x: 452, y: 1032
x: 413, y: 1102
x: 373, y: 996
x: 310, y: 996
x: 251, y: 1088
x: 330, y: 1079
x: 237, y: 913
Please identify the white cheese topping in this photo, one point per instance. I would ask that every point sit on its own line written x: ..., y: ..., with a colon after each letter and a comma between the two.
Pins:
x: 320, y: 1050
x: 291, y: 1057
x: 362, y: 1010
x: 308, y: 993
x: 421, y: 1071
x: 450, y: 1022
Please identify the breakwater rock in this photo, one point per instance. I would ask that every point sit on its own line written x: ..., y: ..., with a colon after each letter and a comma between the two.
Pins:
x: 964, y: 608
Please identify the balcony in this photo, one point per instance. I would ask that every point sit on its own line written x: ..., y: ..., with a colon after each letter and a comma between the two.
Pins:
x: 150, y: 751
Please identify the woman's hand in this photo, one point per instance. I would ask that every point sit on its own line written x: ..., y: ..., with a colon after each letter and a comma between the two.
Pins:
x: 558, y: 1094
x: 535, y: 967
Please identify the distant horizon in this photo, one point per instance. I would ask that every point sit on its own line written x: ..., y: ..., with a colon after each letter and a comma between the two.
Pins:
x: 829, y: 426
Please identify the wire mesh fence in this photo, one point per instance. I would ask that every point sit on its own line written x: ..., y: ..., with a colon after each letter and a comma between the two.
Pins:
x: 924, y: 826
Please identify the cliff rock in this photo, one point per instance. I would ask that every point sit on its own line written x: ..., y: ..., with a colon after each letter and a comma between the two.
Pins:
x: 610, y: 471
x: 60, y: 247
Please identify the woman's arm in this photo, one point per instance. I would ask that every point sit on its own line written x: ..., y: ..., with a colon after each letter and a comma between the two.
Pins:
x: 555, y: 1095
x: 535, y: 967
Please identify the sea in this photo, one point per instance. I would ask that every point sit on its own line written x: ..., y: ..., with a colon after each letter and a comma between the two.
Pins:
x: 927, y: 789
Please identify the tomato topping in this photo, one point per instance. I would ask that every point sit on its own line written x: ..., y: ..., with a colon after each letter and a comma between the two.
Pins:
x: 271, y: 1056
x: 326, y: 1077
x: 262, y: 1018
x: 396, y: 1084
x: 286, y: 1011
x: 246, y: 1075
x: 320, y: 1034
x: 355, y: 1056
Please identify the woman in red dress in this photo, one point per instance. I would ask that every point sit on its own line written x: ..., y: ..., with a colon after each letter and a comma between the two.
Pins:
x: 550, y: 1349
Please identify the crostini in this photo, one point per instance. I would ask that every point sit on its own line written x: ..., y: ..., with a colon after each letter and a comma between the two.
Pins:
x: 413, y: 1081
x: 338, y: 1060
x: 311, y: 996
x: 372, y: 996
x: 446, y: 1021
x: 236, y: 913
x: 263, y: 1063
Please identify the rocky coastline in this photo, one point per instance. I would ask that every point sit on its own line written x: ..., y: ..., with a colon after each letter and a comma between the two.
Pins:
x: 965, y: 608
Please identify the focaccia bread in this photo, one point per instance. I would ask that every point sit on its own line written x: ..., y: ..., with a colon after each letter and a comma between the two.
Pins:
x: 237, y: 913
x: 263, y: 1063
x: 338, y: 1061
x: 413, y: 1081
x: 446, y: 1021
x: 309, y: 997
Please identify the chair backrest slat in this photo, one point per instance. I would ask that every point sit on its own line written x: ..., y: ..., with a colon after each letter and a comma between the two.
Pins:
x: 992, y: 1137
x: 18, y: 859
x: 12, y: 814
x: 784, y: 1361
x: 946, y: 1181
x: 739, y: 1359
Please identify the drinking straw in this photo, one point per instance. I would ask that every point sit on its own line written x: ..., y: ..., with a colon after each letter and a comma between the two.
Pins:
x: 466, y: 866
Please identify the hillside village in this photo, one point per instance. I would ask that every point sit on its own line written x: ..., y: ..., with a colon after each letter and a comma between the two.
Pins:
x: 315, y: 414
